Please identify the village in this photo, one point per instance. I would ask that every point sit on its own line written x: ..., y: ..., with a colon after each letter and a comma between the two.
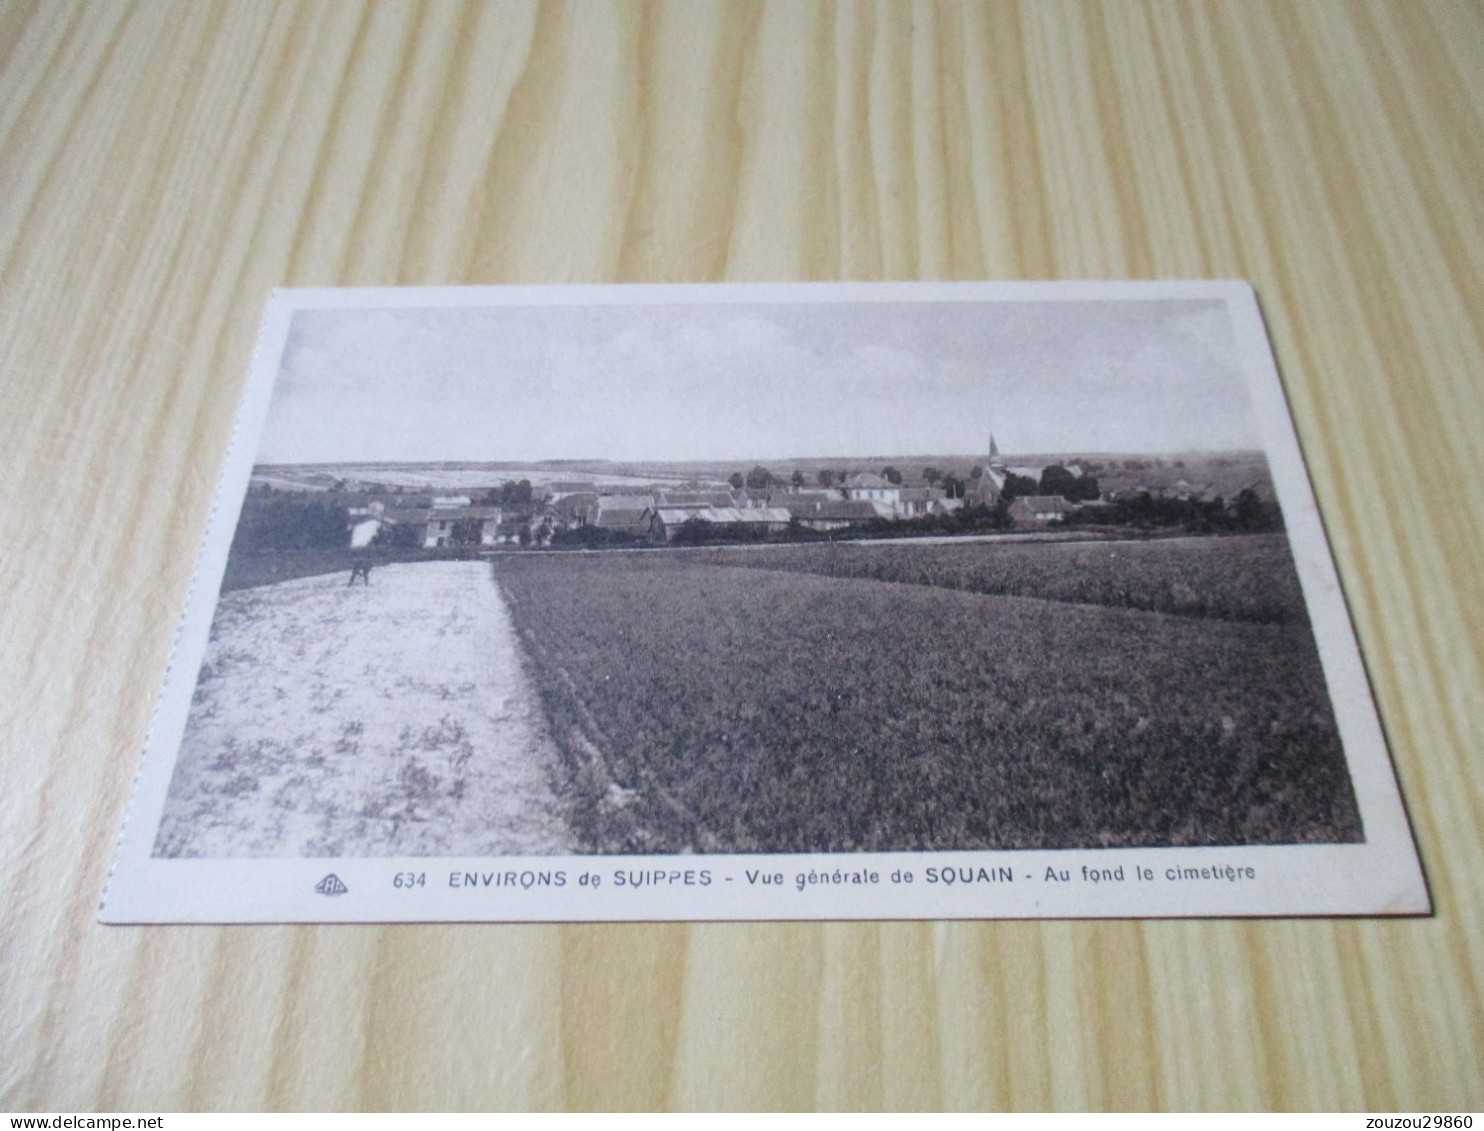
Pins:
x: 751, y: 506
x: 431, y: 510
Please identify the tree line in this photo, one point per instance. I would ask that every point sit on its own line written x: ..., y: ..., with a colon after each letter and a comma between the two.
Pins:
x: 1054, y: 480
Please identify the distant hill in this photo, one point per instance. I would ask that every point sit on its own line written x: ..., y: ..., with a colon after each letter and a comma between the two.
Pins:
x: 1216, y: 473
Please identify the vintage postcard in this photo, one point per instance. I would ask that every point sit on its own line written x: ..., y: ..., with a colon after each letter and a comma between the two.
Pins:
x: 764, y: 602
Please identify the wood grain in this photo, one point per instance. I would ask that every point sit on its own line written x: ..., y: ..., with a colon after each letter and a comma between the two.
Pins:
x: 162, y: 165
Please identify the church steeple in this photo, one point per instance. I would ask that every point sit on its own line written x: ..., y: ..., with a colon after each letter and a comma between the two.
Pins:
x: 989, y: 484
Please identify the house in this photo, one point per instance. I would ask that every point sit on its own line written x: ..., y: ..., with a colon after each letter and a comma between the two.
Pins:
x: 551, y: 517
x: 435, y: 527
x: 415, y: 518
x: 479, y: 526
x: 624, y: 514
x: 674, y: 516
x: 546, y: 523
x: 507, y: 533
x: 769, y: 520
x: 1185, y: 489
x: 489, y: 519
x: 836, y: 514
x: 1040, y: 510
x: 637, y: 522
x: 624, y: 502
x: 756, y: 520
x: 915, y: 501
x: 756, y: 496
x: 695, y: 499
x: 577, y: 509
x: 867, y: 486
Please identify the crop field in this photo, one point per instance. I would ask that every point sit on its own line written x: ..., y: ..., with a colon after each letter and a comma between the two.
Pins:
x: 707, y: 707
x: 1248, y: 578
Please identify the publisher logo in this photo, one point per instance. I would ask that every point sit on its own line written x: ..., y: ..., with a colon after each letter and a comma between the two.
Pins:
x: 331, y: 885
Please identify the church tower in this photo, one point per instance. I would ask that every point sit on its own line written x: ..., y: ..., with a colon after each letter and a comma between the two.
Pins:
x: 987, y: 488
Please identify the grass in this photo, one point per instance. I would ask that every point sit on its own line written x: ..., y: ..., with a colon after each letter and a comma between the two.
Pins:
x: 709, y: 707
x: 1249, y: 578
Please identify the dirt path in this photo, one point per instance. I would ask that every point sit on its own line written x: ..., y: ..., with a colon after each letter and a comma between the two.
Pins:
x: 380, y: 720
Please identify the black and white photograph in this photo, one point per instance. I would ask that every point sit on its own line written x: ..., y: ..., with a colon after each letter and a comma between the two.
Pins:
x: 724, y: 579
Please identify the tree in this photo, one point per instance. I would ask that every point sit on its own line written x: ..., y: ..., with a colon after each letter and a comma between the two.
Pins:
x: 693, y: 532
x: 1251, y: 513
x: 466, y: 532
x: 296, y: 521
x: 826, y: 477
x: 1018, y: 486
x: 1085, y: 490
x: 892, y: 476
x: 1057, y: 480
x: 953, y: 486
x: 931, y: 475
x: 797, y: 478
x: 1003, y: 519
x: 397, y: 536
x: 736, y: 480
x: 515, y: 495
x: 977, y: 472
x: 760, y: 478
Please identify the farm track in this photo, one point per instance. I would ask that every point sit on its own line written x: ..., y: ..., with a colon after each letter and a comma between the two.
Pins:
x: 388, y: 719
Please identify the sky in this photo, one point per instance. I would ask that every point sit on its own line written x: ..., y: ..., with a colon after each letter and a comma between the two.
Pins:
x: 756, y: 381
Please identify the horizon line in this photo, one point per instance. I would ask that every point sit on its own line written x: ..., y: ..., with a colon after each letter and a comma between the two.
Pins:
x: 1085, y: 453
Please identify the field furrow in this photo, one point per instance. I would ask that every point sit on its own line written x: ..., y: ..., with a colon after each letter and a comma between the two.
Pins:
x: 1246, y: 578
x: 793, y: 712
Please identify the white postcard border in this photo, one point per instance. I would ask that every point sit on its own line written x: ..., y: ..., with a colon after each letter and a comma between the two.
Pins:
x: 1382, y: 875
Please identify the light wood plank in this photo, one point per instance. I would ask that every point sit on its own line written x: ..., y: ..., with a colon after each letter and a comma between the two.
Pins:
x: 163, y: 164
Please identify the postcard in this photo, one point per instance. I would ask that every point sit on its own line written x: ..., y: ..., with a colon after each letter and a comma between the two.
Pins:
x: 826, y: 601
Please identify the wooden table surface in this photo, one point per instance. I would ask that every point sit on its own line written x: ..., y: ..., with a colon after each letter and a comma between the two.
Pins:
x: 162, y: 165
